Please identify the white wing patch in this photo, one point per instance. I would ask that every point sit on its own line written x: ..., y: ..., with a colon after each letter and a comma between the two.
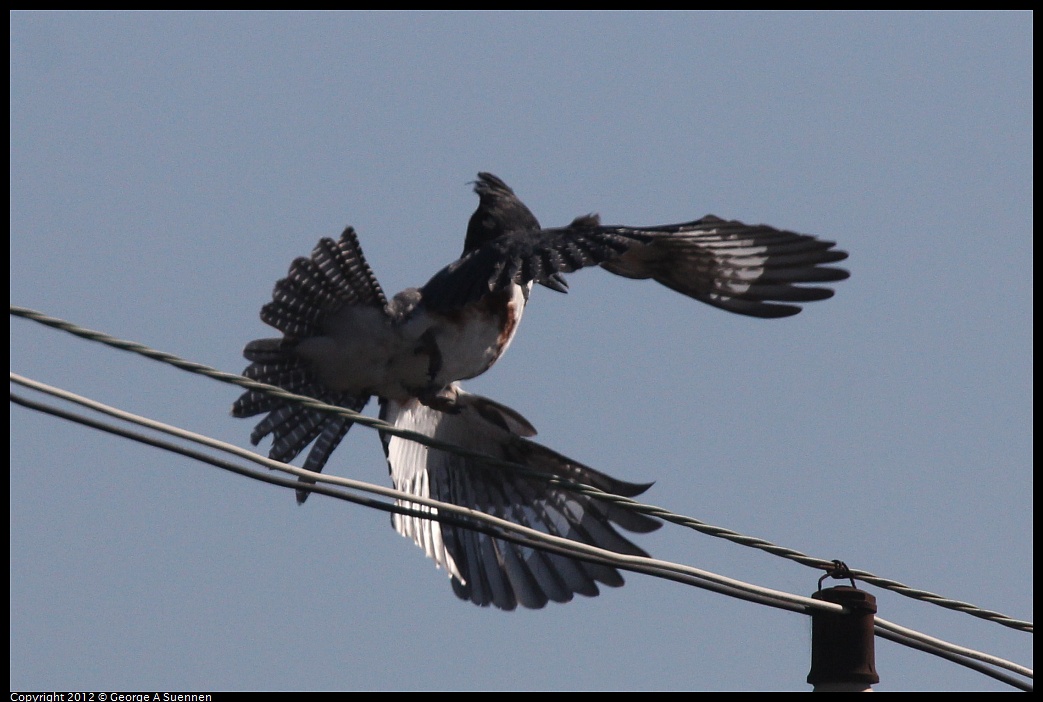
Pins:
x: 410, y: 472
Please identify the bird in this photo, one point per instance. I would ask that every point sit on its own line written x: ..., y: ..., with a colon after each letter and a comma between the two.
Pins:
x: 344, y: 342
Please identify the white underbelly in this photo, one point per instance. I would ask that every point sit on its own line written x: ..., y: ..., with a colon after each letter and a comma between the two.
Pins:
x: 364, y: 352
x: 471, y: 347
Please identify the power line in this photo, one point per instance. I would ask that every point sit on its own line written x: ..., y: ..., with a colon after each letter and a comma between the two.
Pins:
x: 666, y: 515
x: 498, y: 528
x: 462, y: 514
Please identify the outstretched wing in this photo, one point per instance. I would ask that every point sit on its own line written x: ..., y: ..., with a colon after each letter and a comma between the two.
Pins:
x: 746, y: 269
x: 336, y: 275
x: 754, y: 270
x: 486, y: 570
x: 528, y: 256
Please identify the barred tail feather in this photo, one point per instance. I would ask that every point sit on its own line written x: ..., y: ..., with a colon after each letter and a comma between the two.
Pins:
x: 336, y: 275
x: 292, y: 426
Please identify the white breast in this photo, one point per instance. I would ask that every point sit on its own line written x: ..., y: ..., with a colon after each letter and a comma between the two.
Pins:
x: 364, y: 351
x: 470, y: 345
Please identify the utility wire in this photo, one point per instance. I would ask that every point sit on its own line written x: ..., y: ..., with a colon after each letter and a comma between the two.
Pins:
x: 459, y: 516
x: 365, y: 420
x: 502, y: 529
x: 955, y: 658
x: 882, y: 625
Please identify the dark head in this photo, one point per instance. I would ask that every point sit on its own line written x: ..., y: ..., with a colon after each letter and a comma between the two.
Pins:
x: 499, y: 212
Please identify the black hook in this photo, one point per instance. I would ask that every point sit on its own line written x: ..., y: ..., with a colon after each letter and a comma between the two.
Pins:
x: 839, y: 571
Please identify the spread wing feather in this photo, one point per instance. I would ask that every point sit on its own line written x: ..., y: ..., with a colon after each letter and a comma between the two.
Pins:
x: 490, y: 571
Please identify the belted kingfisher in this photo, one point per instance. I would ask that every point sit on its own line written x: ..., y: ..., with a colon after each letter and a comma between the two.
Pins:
x: 344, y: 342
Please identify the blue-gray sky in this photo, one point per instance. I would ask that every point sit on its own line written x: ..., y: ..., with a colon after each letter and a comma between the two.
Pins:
x: 167, y: 168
